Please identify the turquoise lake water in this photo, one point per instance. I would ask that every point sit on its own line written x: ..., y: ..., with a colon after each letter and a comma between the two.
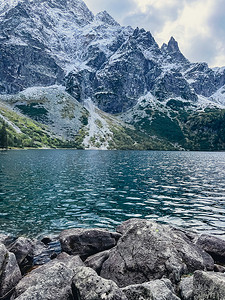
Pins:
x: 45, y: 191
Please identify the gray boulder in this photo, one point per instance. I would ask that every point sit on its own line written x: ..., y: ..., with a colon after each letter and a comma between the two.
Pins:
x: 212, y: 245
x: 219, y: 268
x: 50, y: 281
x: 209, y: 286
x: 186, y: 288
x: 96, y: 261
x: 7, y: 240
x: 154, y: 290
x: 25, y: 250
x: 87, y: 285
x: 9, y: 272
x: 22, y: 248
x: 86, y: 242
x: 148, y: 251
x: 72, y: 262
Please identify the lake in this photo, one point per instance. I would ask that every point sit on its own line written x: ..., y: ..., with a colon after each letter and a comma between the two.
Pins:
x: 46, y: 191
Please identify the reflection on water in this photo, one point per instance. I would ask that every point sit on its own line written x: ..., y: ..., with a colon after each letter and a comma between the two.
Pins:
x: 43, y: 191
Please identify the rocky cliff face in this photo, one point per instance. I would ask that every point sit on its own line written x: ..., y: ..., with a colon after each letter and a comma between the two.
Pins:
x: 54, y: 42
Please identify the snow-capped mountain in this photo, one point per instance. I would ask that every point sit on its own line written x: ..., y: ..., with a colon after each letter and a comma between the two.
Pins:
x: 76, y: 69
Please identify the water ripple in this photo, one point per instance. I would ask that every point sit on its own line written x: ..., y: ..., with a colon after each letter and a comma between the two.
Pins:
x: 47, y: 191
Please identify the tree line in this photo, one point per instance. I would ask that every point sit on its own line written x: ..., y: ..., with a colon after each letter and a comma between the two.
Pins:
x: 3, y: 136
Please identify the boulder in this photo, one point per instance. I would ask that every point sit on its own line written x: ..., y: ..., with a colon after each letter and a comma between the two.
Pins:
x: 50, y: 281
x: 87, y: 285
x: 31, y: 252
x: 9, y: 272
x: 212, y: 245
x: 148, y: 251
x: 219, y: 268
x: 25, y: 249
x: 72, y: 262
x: 154, y: 290
x: 96, y: 261
x: 86, y: 242
x: 186, y: 288
x: 7, y: 240
x: 209, y: 286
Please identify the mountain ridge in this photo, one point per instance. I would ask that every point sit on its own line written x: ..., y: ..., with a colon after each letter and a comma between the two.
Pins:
x: 106, y: 69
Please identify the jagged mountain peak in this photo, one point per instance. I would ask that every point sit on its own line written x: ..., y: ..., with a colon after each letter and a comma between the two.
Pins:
x: 105, y: 17
x: 6, y: 5
x: 172, y: 50
x: 50, y: 8
x: 173, y: 45
x: 142, y: 39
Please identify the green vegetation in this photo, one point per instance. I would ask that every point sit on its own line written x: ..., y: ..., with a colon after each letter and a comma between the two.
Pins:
x: 190, y: 129
x: 30, y: 134
x: 98, y: 123
x: 84, y: 117
x: 35, y: 111
x: 68, y: 110
x: 175, y: 126
x: 206, y: 130
x: 3, y: 137
x: 132, y: 139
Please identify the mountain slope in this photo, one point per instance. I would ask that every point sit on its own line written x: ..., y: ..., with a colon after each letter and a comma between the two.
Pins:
x: 96, y: 84
x: 23, y: 132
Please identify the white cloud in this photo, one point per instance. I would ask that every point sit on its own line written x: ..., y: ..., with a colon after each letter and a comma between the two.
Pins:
x: 197, y: 25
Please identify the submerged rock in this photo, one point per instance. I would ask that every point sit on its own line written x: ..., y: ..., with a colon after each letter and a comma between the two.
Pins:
x: 9, y: 272
x: 31, y: 252
x: 209, y: 286
x: 148, y: 251
x: 86, y: 242
x: 87, y: 285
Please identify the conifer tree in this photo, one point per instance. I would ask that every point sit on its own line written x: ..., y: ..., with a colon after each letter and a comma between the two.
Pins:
x: 3, y: 137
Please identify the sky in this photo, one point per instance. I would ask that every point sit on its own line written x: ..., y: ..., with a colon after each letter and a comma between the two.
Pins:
x: 197, y: 25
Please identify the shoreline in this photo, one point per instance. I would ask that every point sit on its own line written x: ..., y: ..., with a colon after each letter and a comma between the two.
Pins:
x: 136, y: 261
x: 191, y: 151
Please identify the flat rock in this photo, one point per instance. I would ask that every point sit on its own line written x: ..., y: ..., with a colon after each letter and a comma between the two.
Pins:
x: 87, y: 285
x: 50, y: 281
x: 212, y: 245
x: 86, y: 242
x: 154, y: 290
x: 209, y: 286
x: 148, y: 251
x: 186, y: 288
x: 9, y: 271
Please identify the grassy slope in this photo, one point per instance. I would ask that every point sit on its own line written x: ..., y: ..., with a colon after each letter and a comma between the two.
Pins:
x: 33, y: 134
x: 182, y: 125
x: 174, y: 126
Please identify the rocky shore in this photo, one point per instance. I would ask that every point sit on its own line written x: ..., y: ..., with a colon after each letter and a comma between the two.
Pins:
x: 141, y: 260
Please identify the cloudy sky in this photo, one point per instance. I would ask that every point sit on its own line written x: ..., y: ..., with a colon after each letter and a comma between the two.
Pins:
x: 197, y: 25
